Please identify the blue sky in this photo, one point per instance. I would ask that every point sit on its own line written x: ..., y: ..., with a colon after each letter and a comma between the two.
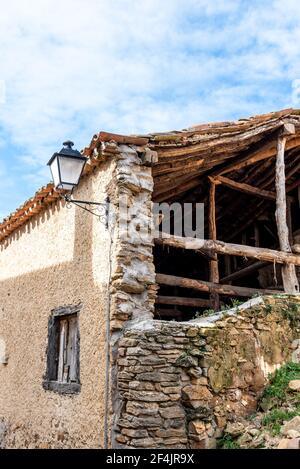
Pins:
x: 71, y: 68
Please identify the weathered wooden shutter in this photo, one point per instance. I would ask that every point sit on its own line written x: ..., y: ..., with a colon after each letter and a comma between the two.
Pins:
x: 62, y: 375
x: 52, y: 350
x: 72, y: 349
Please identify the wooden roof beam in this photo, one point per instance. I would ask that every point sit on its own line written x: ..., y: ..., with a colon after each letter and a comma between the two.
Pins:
x: 245, y: 188
x: 210, y: 287
x: 240, y: 250
x: 268, y: 150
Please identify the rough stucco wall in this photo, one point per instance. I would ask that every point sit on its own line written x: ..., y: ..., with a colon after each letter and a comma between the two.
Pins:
x: 59, y: 258
x: 180, y: 383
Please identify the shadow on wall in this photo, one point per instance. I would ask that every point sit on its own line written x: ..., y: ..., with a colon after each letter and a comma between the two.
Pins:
x: 34, y: 417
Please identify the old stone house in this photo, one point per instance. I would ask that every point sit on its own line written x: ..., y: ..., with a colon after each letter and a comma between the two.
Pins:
x: 102, y: 343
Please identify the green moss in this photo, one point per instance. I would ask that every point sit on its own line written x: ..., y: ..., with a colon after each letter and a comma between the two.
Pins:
x: 275, y: 418
x: 277, y: 397
x: 203, y: 314
x: 291, y: 313
x: 268, y: 308
x: 279, y: 381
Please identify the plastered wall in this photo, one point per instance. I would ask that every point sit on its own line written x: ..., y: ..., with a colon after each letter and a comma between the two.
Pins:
x: 61, y: 257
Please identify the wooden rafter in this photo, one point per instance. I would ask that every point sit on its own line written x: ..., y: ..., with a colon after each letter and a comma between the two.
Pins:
x: 245, y: 188
x: 269, y: 151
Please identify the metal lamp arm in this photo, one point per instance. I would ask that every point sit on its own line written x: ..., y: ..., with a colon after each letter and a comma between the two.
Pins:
x: 103, y: 208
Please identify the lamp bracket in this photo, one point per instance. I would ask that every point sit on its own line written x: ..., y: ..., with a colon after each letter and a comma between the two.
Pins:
x: 100, y: 210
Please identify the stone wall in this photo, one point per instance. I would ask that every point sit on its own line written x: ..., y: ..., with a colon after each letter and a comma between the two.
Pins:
x: 132, y: 286
x: 180, y: 383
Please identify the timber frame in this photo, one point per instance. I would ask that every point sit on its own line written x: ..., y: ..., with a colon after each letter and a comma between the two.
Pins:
x: 247, y: 174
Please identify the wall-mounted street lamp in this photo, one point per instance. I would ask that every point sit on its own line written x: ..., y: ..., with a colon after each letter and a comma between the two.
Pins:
x: 66, y: 167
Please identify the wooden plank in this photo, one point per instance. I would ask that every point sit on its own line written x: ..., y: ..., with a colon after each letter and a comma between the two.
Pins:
x: 289, y: 277
x: 182, y: 301
x: 65, y: 352
x: 203, y: 286
x: 246, y: 188
x: 221, y: 247
x: 107, y: 137
x: 72, y: 346
x: 62, y: 347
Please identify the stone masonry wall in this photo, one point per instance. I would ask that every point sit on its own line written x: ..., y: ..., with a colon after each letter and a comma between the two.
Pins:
x: 133, y: 288
x: 180, y: 383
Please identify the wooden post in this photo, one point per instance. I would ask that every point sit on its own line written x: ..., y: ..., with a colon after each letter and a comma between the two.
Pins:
x: 256, y: 235
x: 289, y: 219
x: 213, y: 264
x: 289, y: 277
x: 227, y: 262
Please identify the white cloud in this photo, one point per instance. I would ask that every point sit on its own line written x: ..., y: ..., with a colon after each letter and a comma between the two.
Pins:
x: 73, y: 67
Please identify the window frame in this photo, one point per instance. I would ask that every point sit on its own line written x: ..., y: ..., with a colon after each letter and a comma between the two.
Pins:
x: 50, y: 382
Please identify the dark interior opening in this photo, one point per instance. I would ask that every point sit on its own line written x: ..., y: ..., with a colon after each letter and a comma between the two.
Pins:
x: 241, y: 218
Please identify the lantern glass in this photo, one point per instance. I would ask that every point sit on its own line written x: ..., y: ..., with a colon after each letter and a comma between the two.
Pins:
x: 66, y: 171
x: 55, y: 171
x: 70, y: 171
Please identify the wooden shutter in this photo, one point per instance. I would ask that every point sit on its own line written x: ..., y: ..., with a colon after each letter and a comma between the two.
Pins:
x: 52, y: 349
x: 72, y: 349
x: 68, y: 350
x: 62, y: 355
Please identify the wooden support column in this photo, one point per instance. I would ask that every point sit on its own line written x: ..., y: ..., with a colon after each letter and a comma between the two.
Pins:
x: 213, y: 263
x: 289, y: 277
x: 256, y: 235
x: 289, y: 219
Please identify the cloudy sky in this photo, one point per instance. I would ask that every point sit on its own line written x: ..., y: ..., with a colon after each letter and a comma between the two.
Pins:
x: 70, y: 68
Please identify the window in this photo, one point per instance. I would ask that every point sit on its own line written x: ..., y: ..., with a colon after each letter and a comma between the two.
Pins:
x: 63, y: 351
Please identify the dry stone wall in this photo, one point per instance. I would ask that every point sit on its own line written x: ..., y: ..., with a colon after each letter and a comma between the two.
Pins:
x: 132, y: 286
x: 179, y: 384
